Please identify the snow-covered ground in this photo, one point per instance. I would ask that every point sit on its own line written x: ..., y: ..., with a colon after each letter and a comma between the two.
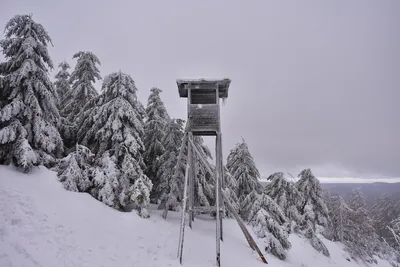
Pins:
x: 41, y: 224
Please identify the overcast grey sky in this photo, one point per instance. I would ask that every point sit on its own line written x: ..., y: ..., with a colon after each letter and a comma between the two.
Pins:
x: 314, y: 83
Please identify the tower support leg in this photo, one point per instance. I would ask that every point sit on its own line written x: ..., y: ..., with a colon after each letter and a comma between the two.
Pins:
x: 183, y: 218
x: 218, y: 176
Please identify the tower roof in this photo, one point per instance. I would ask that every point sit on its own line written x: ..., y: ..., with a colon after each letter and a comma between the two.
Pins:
x: 203, y: 84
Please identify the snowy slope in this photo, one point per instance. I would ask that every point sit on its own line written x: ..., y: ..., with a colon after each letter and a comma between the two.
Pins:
x: 41, y: 224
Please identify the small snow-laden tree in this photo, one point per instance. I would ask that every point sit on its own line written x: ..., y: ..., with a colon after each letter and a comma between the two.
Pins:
x: 157, y: 119
x: 313, y: 207
x: 269, y: 223
x: 204, y: 187
x: 62, y: 83
x: 286, y: 195
x: 172, y: 142
x: 340, y: 214
x: 82, y: 90
x: 351, y: 227
x: 106, y: 182
x: 230, y: 190
x: 242, y: 167
x: 112, y: 125
x: 384, y: 210
x: 394, y: 228
x: 357, y: 199
x: 28, y: 112
x: 75, y: 171
x: 313, y: 210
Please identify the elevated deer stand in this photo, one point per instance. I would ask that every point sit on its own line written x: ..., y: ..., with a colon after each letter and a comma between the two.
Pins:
x: 204, y: 120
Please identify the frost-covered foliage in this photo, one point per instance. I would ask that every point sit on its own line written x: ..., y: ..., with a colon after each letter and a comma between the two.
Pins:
x: 394, y: 228
x: 340, y: 214
x: 357, y: 200
x: 242, y: 167
x: 352, y: 227
x: 172, y: 142
x: 269, y: 223
x: 204, y: 187
x: 82, y: 79
x: 112, y: 187
x: 154, y: 131
x: 313, y: 207
x: 62, y: 83
x: 112, y: 125
x: 286, y: 195
x: 385, y: 210
x: 28, y: 112
x: 75, y: 171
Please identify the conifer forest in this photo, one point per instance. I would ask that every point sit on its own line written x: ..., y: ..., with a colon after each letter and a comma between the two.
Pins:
x: 124, y: 153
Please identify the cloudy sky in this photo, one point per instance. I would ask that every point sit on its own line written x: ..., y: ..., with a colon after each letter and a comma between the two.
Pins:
x: 314, y: 83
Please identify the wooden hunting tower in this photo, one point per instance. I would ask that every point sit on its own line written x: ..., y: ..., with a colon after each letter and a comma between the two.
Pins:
x: 204, y: 119
x: 203, y: 104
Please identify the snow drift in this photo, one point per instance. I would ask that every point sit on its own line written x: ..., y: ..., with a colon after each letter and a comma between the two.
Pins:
x: 42, y: 224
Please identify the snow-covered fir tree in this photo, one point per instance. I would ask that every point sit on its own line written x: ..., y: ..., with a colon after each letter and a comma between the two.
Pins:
x: 340, y: 214
x: 384, y: 210
x: 113, y: 126
x: 269, y: 223
x: 154, y: 131
x: 62, y: 82
x: 351, y: 227
x: 241, y: 165
x: 28, y: 112
x: 204, y: 194
x: 286, y: 195
x: 172, y: 142
x: 82, y: 79
x: 394, y: 228
x: 357, y: 200
x: 75, y: 171
x: 313, y: 209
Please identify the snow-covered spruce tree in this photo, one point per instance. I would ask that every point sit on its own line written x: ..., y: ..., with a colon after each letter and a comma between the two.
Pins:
x: 313, y: 209
x: 62, y: 82
x: 28, y: 112
x: 172, y: 142
x: 114, y: 126
x: 286, y: 195
x: 340, y: 214
x: 62, y: 85
x: 351, y: 227
x: 204, y: 188
x: 82, y: 79
x: 357, y: 200
x: 394, y: 228
x: 154, y: 133
x: 383, y: 212
x: 75, y: 171
x: 269, y: 223
x: 241, y: 165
